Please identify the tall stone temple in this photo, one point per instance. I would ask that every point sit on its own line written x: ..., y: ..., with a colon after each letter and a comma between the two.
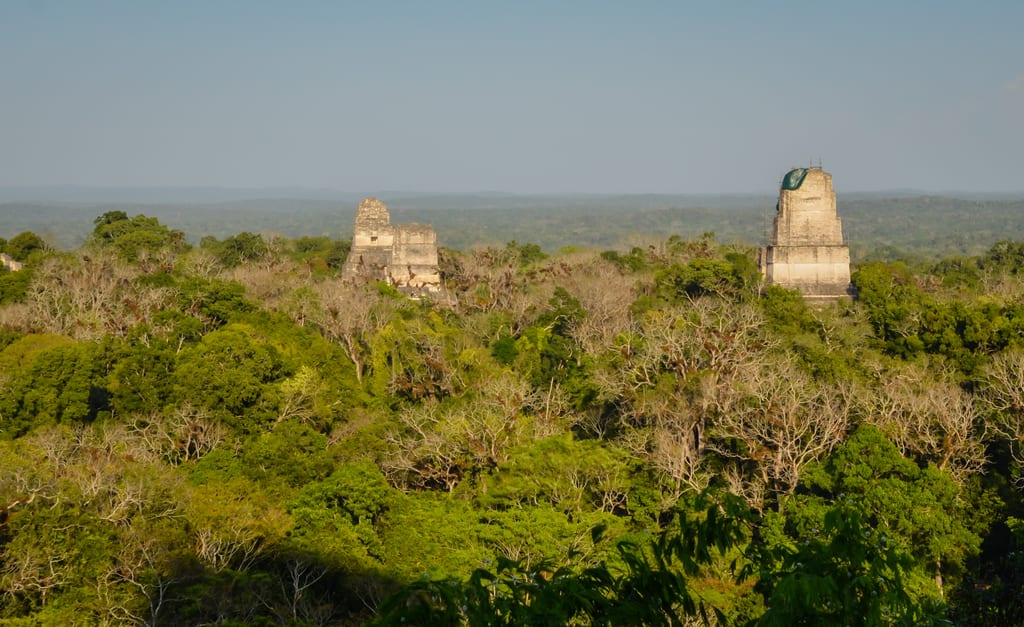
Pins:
x: 403, y: 255
x: 806, y: 248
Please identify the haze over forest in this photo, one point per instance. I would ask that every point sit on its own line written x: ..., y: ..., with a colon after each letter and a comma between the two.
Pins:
x: 877, y: 226
x: 593, y: 125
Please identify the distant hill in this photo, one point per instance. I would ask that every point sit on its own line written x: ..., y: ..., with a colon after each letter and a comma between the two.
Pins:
x: 928, y: 226
x: 83, y: 194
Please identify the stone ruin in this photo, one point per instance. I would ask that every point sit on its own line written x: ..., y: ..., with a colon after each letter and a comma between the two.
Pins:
x: 8, y: 262
x: 403, y: 255
x: 806, y: 249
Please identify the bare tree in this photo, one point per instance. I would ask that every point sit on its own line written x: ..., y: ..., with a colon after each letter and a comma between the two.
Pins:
x: 439, y: 445
x: 200, y: 262
x: 930, y: 418
x: 1002, y: 393
x: 232, y: 524
x: 300, y: 394
x: 785, y: 422
x: 606, y: 295
x: 349, y: 315
x: 91, y: 295
x: 186, y: 433
x: 33, y: 570
x: 675, y: 375
x: 292, y: 602
x: 29, y: 473
x: 420, y: 454
x: 491, y: 279
x: 269, y: 281
x: 146, y: 563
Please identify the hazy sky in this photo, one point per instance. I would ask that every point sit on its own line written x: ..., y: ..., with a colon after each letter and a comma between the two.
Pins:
x: 532, y: 97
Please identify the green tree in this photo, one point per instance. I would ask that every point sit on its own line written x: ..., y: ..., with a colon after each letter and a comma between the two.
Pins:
x: 230, y: 372
x: 237, y: 249
x: 524, y: 254
x: 733, y: 276
x: 848, y: 573
x: 338, y: 253
x: 22, y: 245
x: 62, y: 382
x: 570, y: 475
x: 1004, y: 256
x: 993, y: 594
x: 14, y: 285
x: 131, y: 236
x: 918, y: 509
x: 212, y: 301
x: 888, y: 292
x: 142, y: 377
x: 291, y: 455
x: 650, y: 582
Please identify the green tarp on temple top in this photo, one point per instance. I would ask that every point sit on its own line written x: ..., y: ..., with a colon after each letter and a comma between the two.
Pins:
x: 794, y: 178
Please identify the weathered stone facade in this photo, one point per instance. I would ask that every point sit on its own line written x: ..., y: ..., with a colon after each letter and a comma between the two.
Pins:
x: 806, y: 248
x: 404, y: 255
x: 8, y: 262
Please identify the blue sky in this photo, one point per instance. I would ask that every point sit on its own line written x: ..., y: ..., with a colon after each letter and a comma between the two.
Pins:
x: 526, y: 96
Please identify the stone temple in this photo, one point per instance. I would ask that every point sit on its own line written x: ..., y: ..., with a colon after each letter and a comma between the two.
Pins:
x: 806, y: 248
x: 403, y: 255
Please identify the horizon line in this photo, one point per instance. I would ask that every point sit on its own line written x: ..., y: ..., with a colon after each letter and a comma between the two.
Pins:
x: 35, y: 193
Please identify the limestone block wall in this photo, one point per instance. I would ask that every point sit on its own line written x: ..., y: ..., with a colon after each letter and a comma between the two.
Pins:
x: 377, y: 238
x: 806, y: 248
x: 370, y: 263
x: 414, y: 258
x: 816, y: 270
x: 372, y: 215
x: 403, y: 255
x: 9, y: 262
x: 372, y: 243
x: 807, y: 215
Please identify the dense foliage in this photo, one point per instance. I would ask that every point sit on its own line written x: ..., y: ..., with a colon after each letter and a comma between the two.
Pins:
x: 228, y: 433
